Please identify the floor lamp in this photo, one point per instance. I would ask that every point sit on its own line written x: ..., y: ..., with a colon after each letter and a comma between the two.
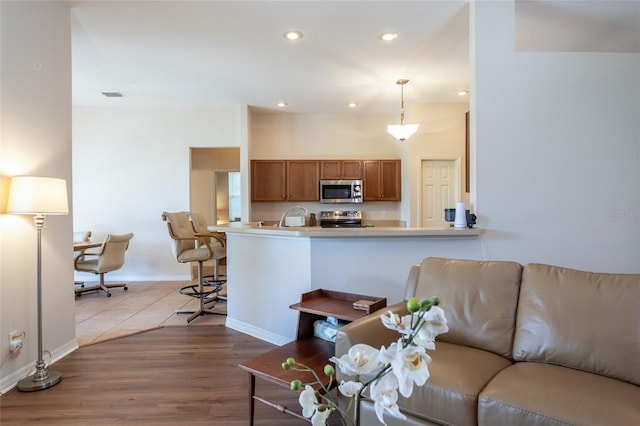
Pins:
x: 38, y: 196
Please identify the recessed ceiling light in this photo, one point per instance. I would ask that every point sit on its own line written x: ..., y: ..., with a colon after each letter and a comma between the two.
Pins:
x: 282, y: 104
x: 463, y: 93
x: 293, y: 35
x: 388, y: 36
x: 352, y: 104
x: 113, y: 94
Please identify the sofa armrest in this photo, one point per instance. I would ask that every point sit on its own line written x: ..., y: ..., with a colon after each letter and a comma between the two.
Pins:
x: 369, y: 330
x: 412, y: 281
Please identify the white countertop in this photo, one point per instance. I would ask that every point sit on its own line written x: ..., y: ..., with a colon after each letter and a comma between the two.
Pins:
x: 365, y: 232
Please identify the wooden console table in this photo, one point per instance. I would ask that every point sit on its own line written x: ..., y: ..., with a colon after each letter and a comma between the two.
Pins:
x: 306, y: 349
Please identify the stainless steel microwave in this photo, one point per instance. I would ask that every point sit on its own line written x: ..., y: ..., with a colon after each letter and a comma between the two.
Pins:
x: 341, y: 191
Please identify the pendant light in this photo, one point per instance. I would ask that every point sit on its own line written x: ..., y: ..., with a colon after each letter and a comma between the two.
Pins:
x: 402, y: 131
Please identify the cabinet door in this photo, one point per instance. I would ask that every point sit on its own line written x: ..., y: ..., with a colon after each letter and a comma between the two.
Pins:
x: 371, y: 180
x: 382, y: 180
x: 268, y: 180
x: 331, y: 169
x: 352, y: 169
x: 303, y: 180
x: 390, y: 180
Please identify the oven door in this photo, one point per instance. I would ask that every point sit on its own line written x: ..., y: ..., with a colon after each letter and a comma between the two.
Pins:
x: 341, y: 223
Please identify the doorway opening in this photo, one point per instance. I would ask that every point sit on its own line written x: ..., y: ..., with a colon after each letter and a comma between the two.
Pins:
x: 215, y: 189
x: 228, y: 196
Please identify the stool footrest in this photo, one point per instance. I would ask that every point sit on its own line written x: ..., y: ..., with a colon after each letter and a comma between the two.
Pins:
x: 207, y: 289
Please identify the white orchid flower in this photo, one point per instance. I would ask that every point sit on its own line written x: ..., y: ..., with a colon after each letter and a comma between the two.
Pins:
x: 433, y: 323
x: 350, y: 388
x: 409, y: 365
x: 361, y: 359
x: 436, y: 320
x: 425, y: 338
x: 321, y: 416
x: 394, y: 322
x: 384, y: 393
x: 308, y: 401
x: 312, y: 409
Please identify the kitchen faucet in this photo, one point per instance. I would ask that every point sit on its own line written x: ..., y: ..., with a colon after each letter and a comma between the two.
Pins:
x: 284, y: 215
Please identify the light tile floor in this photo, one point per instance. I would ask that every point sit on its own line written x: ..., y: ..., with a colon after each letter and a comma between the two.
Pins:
x: 145, y: 306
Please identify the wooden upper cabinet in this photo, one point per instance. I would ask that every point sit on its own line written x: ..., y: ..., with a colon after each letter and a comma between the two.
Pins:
x: 341, y: 169
x: 303, y: 180
x: 382, y: 180
x: 268, y: 180
x: 299, y: 180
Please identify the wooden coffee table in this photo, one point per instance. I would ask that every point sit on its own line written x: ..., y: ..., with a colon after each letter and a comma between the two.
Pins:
x: 312, y: 352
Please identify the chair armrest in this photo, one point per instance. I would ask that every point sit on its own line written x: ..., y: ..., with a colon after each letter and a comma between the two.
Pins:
x: 194, y: 238
x: 369, y: 330
x: 82, y: 255
x: 216, y: 235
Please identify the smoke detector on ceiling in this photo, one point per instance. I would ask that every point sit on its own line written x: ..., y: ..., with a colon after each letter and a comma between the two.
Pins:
x: 113, y: 94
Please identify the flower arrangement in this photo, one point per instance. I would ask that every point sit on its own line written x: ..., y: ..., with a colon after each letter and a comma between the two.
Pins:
x: 385, y: 372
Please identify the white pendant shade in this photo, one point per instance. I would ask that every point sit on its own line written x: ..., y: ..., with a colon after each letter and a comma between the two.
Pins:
x: 402, y: 132
x: 37, y: 195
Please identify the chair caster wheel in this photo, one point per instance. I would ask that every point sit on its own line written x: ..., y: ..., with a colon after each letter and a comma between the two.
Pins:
x: 108, y: 294
x: 125, y: 288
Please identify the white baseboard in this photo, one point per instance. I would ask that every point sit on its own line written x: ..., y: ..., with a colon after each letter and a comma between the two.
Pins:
x: 114, y: 277
x: 10, y: 381
x: 259, y: 333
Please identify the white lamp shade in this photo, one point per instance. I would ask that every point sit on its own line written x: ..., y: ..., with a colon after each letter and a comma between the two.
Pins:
x: 402, y: 132
x: 37, y: 195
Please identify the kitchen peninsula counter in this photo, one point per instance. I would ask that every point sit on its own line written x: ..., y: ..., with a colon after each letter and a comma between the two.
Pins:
x: 363, y: 232
x: 268, y: 267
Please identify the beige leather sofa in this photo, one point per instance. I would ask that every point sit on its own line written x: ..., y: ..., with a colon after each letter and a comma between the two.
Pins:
x: 527, y: 345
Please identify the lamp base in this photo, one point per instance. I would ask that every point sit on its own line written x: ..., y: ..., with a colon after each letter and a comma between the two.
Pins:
x: 35, y: 383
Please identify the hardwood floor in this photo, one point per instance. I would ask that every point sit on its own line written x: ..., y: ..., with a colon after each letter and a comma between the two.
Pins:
x: 172, y: 375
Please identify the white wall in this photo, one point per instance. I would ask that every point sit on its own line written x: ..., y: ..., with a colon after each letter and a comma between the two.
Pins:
x: 35, y: 140
x: 131, y: 164
x: 558, y: 150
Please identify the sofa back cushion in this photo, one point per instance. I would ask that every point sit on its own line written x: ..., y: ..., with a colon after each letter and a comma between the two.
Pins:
x: 479, y: 299
x: 583, y: 320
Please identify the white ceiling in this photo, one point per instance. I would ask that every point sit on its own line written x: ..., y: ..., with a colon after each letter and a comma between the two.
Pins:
x: 181, y: 52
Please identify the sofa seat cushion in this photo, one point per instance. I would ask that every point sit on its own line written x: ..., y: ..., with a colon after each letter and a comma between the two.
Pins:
x: 529, y: 393
x: 458, y: 374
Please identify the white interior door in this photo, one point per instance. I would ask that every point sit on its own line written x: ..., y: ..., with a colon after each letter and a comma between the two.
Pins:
x: 439, y: 183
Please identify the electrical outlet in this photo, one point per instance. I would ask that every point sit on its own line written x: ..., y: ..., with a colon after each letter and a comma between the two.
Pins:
x: 15, y: 335
x: 15, y: 341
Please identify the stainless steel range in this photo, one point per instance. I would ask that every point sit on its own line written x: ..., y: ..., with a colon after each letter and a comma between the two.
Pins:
x: 341, y: 219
